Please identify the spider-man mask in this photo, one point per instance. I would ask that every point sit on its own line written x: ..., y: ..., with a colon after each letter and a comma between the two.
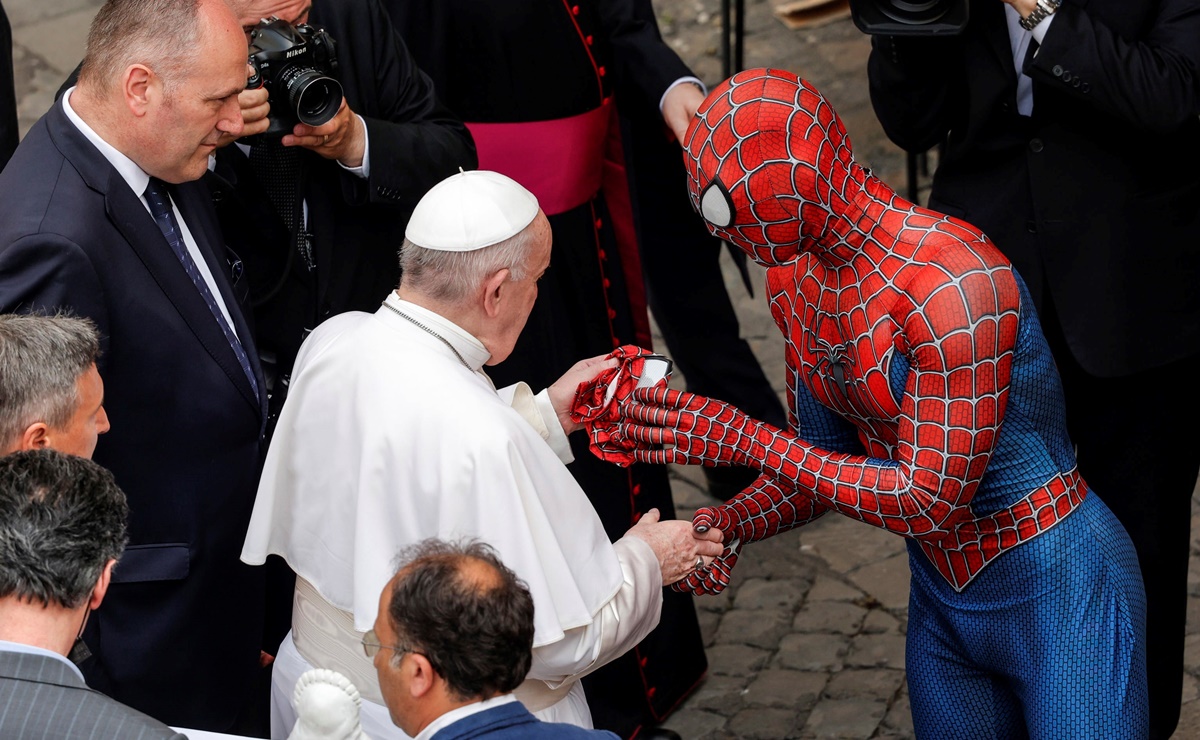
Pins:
x: 768, y: 164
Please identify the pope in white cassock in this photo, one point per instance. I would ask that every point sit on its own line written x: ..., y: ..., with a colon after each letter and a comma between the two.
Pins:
x: 393, y: 433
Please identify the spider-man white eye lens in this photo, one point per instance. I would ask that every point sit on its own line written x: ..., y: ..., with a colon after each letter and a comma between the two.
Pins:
x: 716, y: 206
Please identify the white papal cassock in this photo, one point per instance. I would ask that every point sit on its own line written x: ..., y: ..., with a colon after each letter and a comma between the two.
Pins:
x: 387, y: 438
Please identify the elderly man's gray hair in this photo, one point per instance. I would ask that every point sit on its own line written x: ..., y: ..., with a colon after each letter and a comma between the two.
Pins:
x: 41, y: 361
x: 62, y: 519
x: 453, y: 276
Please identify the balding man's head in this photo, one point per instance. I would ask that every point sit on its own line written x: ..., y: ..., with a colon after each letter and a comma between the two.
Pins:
x: 466, y: 612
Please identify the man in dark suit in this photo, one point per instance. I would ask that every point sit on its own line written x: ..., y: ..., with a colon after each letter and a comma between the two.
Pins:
x: 100, y: 215
x: 9, y: 135
x: 329, y: 244
x: 62, y: 528
x: 453, y: 638
x: 1071, y: 138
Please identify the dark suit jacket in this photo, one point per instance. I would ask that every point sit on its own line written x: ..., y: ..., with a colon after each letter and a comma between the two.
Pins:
x: 179, y: 634
x: 358, y: 224
x: 44, y: 698
x: 1093, y: 198
x: 513, y: 721
x: 9, y: 133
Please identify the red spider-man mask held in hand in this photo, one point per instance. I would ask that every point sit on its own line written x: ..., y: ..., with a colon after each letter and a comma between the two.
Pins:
x: 769, y: 165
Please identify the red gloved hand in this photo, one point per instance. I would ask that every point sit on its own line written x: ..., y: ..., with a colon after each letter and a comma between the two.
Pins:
x: 670, y: 426
x: 596, y: 409
x: 713, y: 579
x: 763, y: 510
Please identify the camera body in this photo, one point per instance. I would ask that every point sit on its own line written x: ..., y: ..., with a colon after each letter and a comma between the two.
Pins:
x: 910, y: 17
x: 298, y: 66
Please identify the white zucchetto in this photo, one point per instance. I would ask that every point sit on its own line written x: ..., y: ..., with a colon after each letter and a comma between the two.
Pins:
x: 471, y: 210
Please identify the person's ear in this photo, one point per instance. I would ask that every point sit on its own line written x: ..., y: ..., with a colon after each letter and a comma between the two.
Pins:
x: 35, y: 437
x: 101, y: 587
x: 422, y: 677
x: 494, y: 291
x: 141, y: 88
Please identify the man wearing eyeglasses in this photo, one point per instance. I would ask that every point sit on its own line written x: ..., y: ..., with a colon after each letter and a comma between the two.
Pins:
x: 452, y: 640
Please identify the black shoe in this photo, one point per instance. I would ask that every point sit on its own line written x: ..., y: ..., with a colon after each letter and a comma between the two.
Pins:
x: 726, y: 482
x: 660, y: 733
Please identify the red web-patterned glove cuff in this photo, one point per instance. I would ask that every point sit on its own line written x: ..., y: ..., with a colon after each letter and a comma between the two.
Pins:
x: 713, y: 579
x: 670, y: 426
x: 768, y: 507
x: 597, y: 410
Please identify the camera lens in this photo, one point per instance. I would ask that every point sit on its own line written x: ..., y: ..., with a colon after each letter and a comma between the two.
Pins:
x: 919, y: 12
x: 313, y: 96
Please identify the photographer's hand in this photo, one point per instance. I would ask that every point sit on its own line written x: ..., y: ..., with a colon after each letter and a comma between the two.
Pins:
x: 342, y: 138
x: 255, y: 108
x: 1023, y: 7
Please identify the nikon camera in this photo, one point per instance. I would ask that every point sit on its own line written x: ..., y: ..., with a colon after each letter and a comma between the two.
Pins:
x: 298, y: 66
x: 910, y: 17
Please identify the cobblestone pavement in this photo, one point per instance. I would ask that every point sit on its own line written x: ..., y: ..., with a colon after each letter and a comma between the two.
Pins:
x: 809, y: 639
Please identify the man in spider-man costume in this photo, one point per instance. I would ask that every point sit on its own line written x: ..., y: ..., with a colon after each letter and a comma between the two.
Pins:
x: 924, y: 400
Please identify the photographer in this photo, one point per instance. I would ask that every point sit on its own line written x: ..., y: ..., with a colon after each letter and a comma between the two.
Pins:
x: 317, y: 215
x: 1071, y: 140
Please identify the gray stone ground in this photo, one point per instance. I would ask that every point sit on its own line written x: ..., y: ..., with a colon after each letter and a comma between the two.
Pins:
x: 808, y: 641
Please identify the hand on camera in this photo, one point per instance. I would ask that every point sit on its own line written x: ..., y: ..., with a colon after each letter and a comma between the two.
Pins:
x: 255, y: 109
x: 343, y: 138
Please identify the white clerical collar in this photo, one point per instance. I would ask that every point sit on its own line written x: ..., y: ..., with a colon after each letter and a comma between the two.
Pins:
x: 20, y: 647
x: 129, y: 170
x: 472, y: 351
x: 455, y: 715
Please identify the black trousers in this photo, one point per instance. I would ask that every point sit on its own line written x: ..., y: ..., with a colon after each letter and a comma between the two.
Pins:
x: 1138, y: 444
x: 9, y: 134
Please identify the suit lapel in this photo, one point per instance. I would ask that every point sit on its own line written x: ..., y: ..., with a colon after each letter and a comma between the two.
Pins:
x: 193, y: 200
x: 131, y: 218
x: 989, y: 15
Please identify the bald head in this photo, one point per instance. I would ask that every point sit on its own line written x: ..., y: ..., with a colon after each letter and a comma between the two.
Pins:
x: 160, y: 34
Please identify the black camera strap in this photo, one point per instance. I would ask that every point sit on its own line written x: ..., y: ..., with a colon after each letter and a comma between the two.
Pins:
x: 280, y: 170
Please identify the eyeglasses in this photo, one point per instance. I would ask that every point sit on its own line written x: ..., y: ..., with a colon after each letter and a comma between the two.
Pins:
x: 372, y: 646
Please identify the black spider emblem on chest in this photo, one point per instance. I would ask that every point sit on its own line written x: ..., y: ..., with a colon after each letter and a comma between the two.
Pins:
x: 831, y: 360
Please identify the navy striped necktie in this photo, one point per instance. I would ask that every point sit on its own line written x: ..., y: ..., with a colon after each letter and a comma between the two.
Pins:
x: 159, y: 199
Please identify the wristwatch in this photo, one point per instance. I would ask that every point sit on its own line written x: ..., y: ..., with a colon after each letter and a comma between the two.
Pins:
x: 1043, y: 9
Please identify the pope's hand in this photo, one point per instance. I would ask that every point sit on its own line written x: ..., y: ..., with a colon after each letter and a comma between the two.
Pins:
x: 677, y: 546
x: 714, y: 577
x: 343, y: 138
x: 563, y: 391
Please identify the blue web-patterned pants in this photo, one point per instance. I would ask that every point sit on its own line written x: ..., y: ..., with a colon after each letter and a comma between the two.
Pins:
x: 1047, y: 642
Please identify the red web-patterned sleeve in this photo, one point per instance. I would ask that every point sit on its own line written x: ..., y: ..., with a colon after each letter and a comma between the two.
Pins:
x: 960, y: 330
x: 958, y: 326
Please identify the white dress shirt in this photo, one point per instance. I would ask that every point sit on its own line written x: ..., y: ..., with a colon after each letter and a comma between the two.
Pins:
x: 1019, y: 39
